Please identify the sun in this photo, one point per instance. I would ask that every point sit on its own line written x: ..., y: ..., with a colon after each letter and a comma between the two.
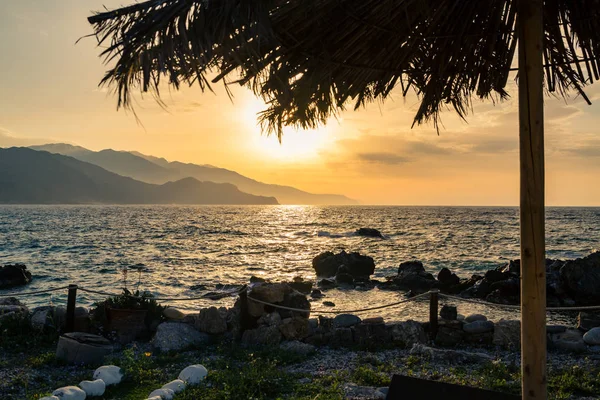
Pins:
x: 296, y: 145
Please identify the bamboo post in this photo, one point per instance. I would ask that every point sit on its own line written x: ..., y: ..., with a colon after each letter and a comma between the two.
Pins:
x: 531, y: 133
x: 433, y: 312
x: 71, y: 300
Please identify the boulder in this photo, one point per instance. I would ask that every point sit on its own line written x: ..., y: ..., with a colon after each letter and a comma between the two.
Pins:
x: 14, y: 275
x: 110, y: 374
x: 448, y: 312
x: 587, y: 321
x: 571, y: 340
x: 478, y: 327
x: 495, y: 275
x: 345, y: 320
x: 12, y: 307
x: 212, y: 320
x: 164, y: 394
x: 407, y: 333
x: 294, y: 328
x: 301, y: 285
x: 316, y: 294
x: 176, y: 386
x: 446, y: 278
x: 449, y: 334
x: 263, y: 335
x: 369, y: 232
x: 173, y: 314
x: 581, y: 279
x: 342, y: 278
x: 327, y: 264
x: 69, y: 393
x: 193, y: 374
x: 54, y: 318
x: 592, y: 337
x: 268, y: 292
x: 270, y: 319
x: 93, y: 388
x: 507, y: 333
x: 412, y: 276
x: 295, y: 299
x: 175, y: 336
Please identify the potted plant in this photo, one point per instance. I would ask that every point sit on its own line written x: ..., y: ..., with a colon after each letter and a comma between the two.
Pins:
x: 129, y: 314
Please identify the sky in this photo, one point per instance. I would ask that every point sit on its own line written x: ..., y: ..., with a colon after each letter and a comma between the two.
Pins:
x: 49, y: 93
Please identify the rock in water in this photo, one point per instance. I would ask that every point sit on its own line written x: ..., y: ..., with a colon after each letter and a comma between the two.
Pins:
x: 448, y: 312
x: 327, y: 264
x: 193, y: 375
x: 69, y: 393
x: 110, y: 374
x: 412, y: 276
x: 369, y: 232
x: 581, y: 279
x: 14, y: 275
x: 93, y: 388
x: 174, y: 336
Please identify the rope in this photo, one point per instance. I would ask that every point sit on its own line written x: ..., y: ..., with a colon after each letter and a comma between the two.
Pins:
x: 32, y: 293
x: 217, y: 296
x: 513, y: 307
x: 338, y: 312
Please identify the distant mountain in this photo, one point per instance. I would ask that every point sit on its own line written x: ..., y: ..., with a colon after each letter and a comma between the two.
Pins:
x: 158, y: 170
x: 38, y: 177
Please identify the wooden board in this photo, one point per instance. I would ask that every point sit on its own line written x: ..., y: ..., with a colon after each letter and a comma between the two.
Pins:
x: 409, y: 388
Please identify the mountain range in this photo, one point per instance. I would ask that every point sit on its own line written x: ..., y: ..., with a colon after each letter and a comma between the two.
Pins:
x: 159, y: 171
x: 30, y: 176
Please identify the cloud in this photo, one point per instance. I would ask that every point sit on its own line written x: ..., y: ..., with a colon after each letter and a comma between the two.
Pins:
x: 8, y: 139
x: 382, y: 158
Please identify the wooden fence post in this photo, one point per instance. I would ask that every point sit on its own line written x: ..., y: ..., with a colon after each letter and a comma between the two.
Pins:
x: 71, y: 300
x: 245, y: 315
x: 433, y: 312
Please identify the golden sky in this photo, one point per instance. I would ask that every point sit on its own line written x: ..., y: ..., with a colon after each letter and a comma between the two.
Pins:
x: 49, y: 93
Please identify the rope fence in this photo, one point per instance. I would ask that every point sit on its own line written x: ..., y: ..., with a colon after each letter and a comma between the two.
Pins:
x: 433, y: 296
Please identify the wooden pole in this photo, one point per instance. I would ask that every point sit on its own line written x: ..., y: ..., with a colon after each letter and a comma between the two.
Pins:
x: 71, y: 300
x: 433, y: 313
x: 245, y: 314
x: 531, y: 133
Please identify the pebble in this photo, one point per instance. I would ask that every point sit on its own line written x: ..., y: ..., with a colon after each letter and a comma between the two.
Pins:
x: 592, y: 337
x: 329, y: 303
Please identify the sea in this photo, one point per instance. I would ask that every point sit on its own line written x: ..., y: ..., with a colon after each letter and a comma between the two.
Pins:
x: 186, y: 251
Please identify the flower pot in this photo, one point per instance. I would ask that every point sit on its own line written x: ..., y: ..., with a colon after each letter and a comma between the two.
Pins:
x: 128, y: 323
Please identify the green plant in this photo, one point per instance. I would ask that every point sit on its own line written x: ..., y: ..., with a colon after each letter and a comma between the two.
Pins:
x: 127, y: 300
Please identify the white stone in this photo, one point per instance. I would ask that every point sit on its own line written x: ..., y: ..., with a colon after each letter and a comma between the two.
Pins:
x: 69, y: 393
x: 165, y: 394
x: 110, y: 374
x: 50, y: 398
x: 93, y: 388
x: 155, y: 398
x: 176, y: 386
x: 592, y: 337
x: 193, y: 374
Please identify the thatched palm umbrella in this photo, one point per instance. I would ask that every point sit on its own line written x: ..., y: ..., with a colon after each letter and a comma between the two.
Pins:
x: 308, y: 59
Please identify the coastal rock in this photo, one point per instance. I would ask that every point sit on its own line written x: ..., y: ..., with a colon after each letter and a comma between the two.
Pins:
x: 270, y: 319
x: 263, y: 335
x: 581, y: 279
x: 369, y: 232
x: 301, y: 285
x: 212, y: 320
x: 587, y: 321
x: 268, y: 292
x: 173, y: 314
x: 193, y: 374
x: 448, y: 312
x: 295, y: 299
x: 345, y: 320
x: 592, y: 337
x: 507, y: 333
x: 412, y: 276
x: 328, y: 304
x: 408, y: 333
x: 478, y: 327
x: 446, y: 278
x: 11, y: 307
x: 450, y: 356
x: 294, y: 328
x: 14, y: 275
x: 449, y: 333
x: 342, y: 278
x: 69, y: 393
x: 475, y: 317
x: 326, y: 283
x: 316, y: 294
x: 52, y: 318
x: 174, y: 336
x: 327, y: 264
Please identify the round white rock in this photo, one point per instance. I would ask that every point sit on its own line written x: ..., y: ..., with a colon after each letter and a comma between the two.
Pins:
x: 50, y: 398
x: 176, y: 386
x: 110, y: 374
x: 93, y: 388
x: 69, y: 393
x: 193, y: 374
x: 165, y: 394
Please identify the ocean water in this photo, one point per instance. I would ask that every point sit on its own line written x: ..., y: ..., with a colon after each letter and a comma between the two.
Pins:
x: 186, y: 250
